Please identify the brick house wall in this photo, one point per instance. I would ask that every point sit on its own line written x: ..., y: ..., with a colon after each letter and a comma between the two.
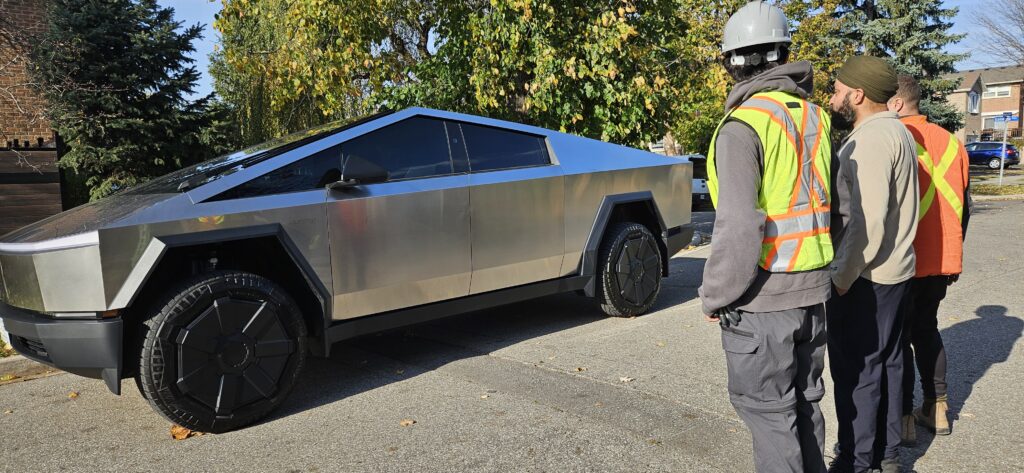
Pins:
x: 21, y: 109
x: 997, y: 106
x: 29, y: 179
x: 979, y: 124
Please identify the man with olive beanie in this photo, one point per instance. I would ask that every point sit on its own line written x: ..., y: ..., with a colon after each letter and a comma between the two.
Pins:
x: 877, y: 192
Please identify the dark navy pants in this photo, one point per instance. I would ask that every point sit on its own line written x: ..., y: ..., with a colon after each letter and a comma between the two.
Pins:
x: 866, y: 360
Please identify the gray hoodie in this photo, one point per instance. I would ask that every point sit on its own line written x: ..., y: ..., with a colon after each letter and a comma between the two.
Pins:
x: 732, y: 276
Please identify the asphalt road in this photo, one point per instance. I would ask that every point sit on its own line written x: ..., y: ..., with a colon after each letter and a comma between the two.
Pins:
x: 546, y: 385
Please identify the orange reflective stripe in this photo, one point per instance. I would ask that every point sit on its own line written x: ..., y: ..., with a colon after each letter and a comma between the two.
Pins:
x: 775, y: 119
x: 792, y: 261
x: 769, y: 259
x: 800, y: 213
x: 814, y: 154
x: 794, y: 236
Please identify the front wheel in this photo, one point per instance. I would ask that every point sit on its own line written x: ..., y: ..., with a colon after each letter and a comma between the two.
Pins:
x: 994, y: 163
x: 223, y: 351
x: 630, y: 270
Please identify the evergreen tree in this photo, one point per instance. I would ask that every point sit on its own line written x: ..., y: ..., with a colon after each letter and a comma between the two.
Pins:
x: 914, y: 35
x: 116, y: 75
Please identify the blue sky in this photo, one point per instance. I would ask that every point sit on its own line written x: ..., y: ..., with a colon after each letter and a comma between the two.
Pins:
x: 202, y: 11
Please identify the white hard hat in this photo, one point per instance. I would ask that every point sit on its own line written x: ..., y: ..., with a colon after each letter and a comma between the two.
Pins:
x: 755, y: 23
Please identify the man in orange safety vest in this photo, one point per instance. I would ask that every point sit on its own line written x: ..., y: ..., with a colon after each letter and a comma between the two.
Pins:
x: 942, y: 226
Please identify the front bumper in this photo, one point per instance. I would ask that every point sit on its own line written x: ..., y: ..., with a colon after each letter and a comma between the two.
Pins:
x: 677, y: 238
x: 90, y: 348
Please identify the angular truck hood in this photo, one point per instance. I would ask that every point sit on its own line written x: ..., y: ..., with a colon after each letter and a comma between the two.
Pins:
x: 89, y: 217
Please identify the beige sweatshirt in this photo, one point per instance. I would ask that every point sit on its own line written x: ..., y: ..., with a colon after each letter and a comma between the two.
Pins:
x: 878, y: 191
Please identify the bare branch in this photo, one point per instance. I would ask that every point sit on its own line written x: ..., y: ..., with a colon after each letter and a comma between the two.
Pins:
x: 1000, y: 36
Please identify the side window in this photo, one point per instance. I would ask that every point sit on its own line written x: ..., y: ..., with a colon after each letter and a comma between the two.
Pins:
x: 492, y: 148
x: 416, y: 147
x: 313, y: 172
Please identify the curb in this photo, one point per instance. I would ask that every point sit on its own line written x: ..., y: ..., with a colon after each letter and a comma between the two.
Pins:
x: 991, y: 198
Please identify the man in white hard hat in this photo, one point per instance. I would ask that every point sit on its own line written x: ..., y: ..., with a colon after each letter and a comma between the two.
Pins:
x: 767, y: 278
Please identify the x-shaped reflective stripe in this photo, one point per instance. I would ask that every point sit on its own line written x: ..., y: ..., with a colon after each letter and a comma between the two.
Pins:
x: 937, y: 179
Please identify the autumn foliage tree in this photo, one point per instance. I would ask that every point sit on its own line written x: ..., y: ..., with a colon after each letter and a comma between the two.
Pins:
x: 596, y: 68
x: 625, y: 71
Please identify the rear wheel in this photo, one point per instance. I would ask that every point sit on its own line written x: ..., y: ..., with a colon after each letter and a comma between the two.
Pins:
x: 629, y: 274
x: 222, y: 352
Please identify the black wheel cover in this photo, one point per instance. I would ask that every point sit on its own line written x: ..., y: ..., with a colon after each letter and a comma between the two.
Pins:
x: 224, y: 350
x: 637, y: 270
x: 232, y: 354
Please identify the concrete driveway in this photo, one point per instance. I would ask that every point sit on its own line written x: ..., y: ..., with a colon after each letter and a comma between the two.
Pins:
x: 546, y: 385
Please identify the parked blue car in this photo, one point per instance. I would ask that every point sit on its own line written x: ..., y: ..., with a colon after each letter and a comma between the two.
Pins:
x: 988, y: 153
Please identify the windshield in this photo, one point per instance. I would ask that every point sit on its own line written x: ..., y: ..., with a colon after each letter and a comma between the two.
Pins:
x: 206, y: 172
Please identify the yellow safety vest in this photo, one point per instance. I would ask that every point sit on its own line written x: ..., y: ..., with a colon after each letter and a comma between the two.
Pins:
x: 795, y: 188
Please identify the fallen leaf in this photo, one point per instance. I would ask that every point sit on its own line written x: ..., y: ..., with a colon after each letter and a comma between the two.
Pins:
x: 8, y: 377
x: 598, y: 404
x: 966, y: 414
x: 551, y: 357
x: 484, y: 396
x: 8, y: 411
x: 181, y: 433
x: 626, y: 379
x: 580, y: 369
x: 399, y: 371
x: 733, y: 431
x: 659, y: 343
x: 406, y: 422
x: 654, y: 441
x: 73, y: 395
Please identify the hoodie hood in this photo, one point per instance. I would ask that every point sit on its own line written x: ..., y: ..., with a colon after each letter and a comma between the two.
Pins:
x: 795, y: 78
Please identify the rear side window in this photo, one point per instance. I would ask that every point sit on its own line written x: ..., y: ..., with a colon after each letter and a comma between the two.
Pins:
x: 412, y: 148
x: 492, y: 149
x: 313, y: 172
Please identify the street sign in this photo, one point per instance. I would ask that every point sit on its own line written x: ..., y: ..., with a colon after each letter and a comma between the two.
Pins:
x: 1007, y: 115
x: 1003, y: 119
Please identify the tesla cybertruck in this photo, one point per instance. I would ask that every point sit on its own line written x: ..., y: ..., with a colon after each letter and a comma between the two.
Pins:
x: 211, y: 285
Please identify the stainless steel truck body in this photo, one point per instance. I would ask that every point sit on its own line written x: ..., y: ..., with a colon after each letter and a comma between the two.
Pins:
x: 240, y: 266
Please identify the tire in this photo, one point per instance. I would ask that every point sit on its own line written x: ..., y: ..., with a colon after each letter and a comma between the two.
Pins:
x: 222, y: 351
x: 994, y: 163
x: 629, y: 271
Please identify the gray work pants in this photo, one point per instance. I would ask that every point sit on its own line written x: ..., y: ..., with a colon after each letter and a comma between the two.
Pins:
x: 775, y: 361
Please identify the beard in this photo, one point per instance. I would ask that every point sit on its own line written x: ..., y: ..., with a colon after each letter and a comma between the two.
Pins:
x: 845, y: 116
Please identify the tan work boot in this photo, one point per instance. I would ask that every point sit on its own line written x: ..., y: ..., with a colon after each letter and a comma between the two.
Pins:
x: 932, y: 416
x: 909, y: 436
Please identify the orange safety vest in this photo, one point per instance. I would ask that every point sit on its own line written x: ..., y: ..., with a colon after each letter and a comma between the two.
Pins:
x: 942, y: 172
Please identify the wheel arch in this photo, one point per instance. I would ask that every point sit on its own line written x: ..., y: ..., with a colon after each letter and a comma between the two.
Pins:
x: 171, y: 258
x: 640, y: 207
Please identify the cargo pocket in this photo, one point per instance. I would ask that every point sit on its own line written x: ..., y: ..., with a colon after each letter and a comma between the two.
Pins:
x: 743, y: 358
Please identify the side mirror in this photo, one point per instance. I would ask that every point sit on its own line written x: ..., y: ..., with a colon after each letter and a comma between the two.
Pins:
x: 358, y: 171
